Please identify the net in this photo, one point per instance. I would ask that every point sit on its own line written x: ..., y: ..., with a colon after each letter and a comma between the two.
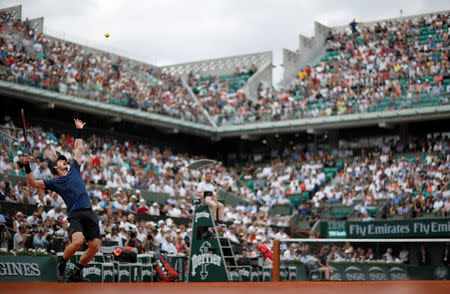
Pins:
x: 368, y: 259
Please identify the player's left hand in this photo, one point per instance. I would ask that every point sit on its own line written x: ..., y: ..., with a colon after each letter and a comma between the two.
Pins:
x: 78, y: 123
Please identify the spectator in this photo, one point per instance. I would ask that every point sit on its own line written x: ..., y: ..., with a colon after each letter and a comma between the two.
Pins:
x: 4, y: 233
x: 403, y: 209
x: 446, y: 210
x: 133, y: 242
x: 353, y: 25
x: 142, y: 209
x: 40, y: 240
x: 446, y: 255
x: 404, y: 255
x: 114, y: 237
x: 423, y: 256
x: 20, y: 238
x: 33, y: 219
x: 181, y: 245
x: 167, y: 244
x: 438, y: 204
x: 154, y: 209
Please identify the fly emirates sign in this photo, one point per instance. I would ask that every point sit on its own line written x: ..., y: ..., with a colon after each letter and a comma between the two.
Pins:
x: 415, y: 228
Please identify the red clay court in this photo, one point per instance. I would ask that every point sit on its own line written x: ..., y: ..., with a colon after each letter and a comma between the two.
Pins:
x: 403, y: 287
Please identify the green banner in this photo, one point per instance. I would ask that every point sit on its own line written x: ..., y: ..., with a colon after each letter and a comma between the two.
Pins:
x: 399, y: 229
x: 366, y: 272
x: 385, y: 272
x: 417, y: 228
x: 27, y: 269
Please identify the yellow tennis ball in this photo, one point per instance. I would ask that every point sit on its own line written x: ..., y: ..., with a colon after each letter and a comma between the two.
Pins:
x: 107, y: 35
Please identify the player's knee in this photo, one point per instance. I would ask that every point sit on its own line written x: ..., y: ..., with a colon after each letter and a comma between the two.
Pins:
x: 77, y: 242
x: 95, y: 245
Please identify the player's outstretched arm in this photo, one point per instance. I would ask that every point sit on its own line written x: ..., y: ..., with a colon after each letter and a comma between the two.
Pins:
x: 78, y: 147
x: 30, y: 178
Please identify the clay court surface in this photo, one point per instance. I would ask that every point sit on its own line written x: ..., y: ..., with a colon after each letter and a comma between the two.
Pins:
x: 407, y: 287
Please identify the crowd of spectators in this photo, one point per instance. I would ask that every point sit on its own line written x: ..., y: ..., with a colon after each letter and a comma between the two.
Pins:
x: 419, y: 185
x: 386, y: 65
x: 116, y: 175
x: 221, y: 96
x: 386, y: 62
x: 56, y: 65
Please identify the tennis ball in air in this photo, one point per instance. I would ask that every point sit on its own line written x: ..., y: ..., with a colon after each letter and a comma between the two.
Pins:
x: 106, y: 35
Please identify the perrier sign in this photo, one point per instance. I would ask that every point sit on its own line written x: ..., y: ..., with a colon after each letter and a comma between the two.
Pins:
x: 206, y: 262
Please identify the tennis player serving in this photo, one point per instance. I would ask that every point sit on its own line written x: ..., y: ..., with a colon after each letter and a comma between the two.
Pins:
x: 83, y: 222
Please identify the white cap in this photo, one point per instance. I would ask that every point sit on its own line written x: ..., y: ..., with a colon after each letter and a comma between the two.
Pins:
x: 63, y: 206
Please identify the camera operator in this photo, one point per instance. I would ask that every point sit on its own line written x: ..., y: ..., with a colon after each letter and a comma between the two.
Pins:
x: 40, y: 239
x: 20, y: 238
x: 206, y: 190
x: 150, y: 244
x: 132, y: 241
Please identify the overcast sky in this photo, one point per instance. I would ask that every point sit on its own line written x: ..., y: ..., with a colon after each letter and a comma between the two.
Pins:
x: 167, y: 31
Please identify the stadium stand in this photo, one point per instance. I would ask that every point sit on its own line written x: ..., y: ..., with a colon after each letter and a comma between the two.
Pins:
x: 144, y: 191
x: 69, y: 68
x: 391, y: 65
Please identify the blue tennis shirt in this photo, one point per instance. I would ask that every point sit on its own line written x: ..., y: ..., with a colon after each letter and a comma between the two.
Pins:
x: 71, y: 188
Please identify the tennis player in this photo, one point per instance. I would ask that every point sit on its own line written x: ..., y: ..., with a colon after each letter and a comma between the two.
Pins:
x: 83, y: 222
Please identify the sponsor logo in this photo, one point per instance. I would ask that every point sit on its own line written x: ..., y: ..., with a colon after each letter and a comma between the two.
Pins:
x: 135, y: 276
x: 204, y: 259
x: 336, y: 276
x: 398, y: 273
x: 440, y: 273
x: 315, y: 277
x: 244, y: 273
x: 107, y: 273
x: 376, y: 273
x: 283, y: 273
x: 26, y: 269
x: 254, y: 275
x: 146, y: 273
x: 92, y: 271
x: 124, y: 273
x: 267, y: 275
x: 234, y: 276
x: 201, y: 214
x: 353, y: 273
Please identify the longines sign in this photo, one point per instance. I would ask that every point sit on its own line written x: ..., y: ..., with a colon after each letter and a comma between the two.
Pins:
x: 27, y: 269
